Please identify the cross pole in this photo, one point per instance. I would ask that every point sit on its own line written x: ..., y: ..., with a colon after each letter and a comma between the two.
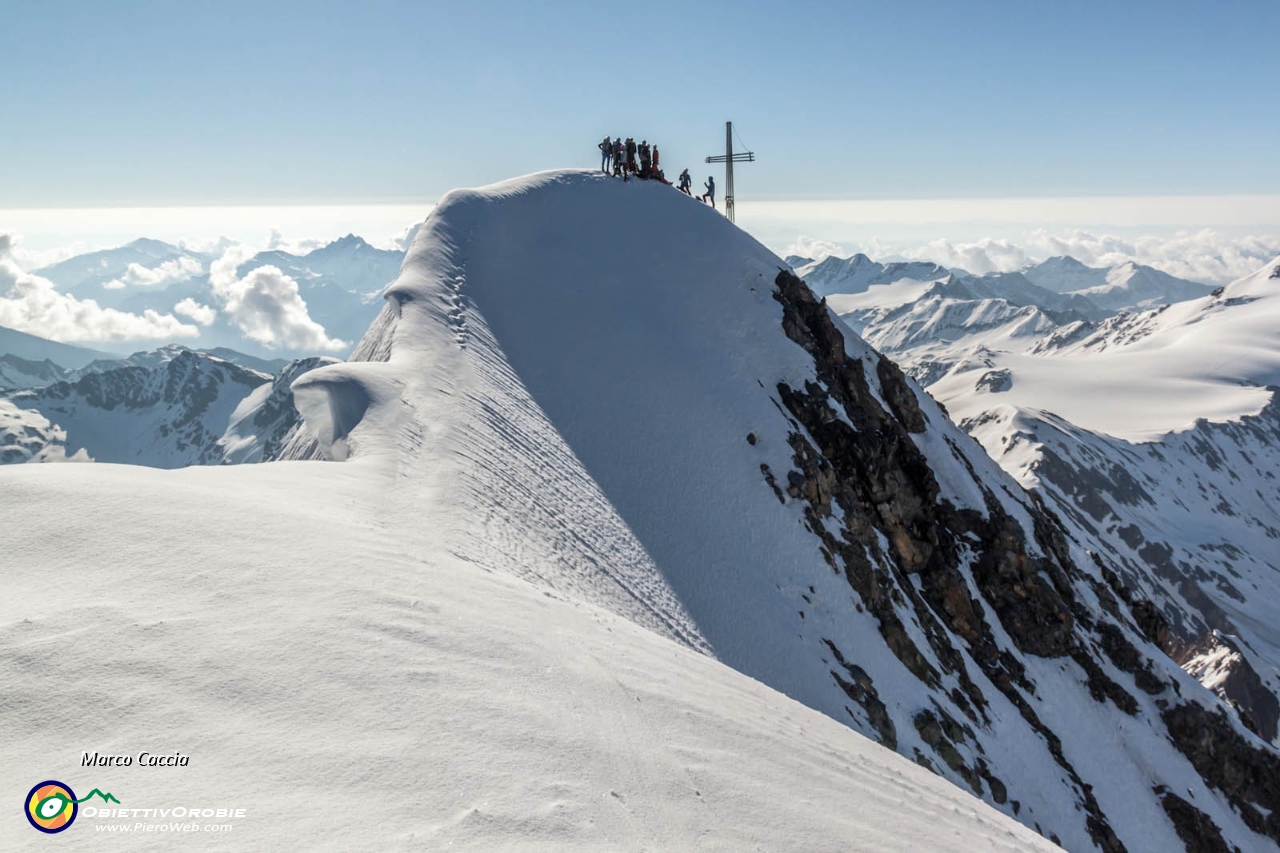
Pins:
x: 729, y: 158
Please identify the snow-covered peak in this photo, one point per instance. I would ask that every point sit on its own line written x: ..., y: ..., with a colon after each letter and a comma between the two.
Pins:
x: 1262, y: 284
x: 857, y: 274
x: 1139, y: 376
x: 1128, y: 285
x: 349, y: 243
x: 675, y: 429
x: 1063, y: 274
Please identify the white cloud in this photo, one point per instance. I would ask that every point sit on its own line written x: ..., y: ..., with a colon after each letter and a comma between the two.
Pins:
x: 205, y: 245
x: 1206, y: 255
x: 983, y: 256
x: 1115, y: 211
x: 31, y: 304
x: 278, y: 242
x: 266, y: 305
x: 403, y: 241
x: 202, y: 314
x: 28, y: 259
x: 808, y: 247
x: 174, y: 270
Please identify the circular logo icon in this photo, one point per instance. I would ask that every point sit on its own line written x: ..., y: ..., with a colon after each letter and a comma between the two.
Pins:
x: 51, y: 806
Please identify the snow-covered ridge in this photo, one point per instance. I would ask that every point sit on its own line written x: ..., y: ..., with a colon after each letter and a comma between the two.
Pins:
x: 166, y: 408
x: 672, y: 430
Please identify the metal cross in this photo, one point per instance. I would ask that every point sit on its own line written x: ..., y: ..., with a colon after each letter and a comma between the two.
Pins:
x: 729, y: 158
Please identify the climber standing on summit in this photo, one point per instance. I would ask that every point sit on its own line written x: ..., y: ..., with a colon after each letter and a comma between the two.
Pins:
x: 710, y: 194
x: 606, y: 154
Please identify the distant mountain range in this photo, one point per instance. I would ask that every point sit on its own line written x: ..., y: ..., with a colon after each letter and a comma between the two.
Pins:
x: 165, y: 408
x: 32, y: 348
x: 339, y: 282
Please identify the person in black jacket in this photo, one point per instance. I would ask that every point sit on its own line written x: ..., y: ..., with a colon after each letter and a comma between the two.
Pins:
x: 606, y: 154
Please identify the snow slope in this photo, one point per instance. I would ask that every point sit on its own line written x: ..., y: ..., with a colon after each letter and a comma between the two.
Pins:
x: 322, y: 658
x: 1126, y: 286
x: 1139, y: 376
x: 1191, y: 520
x: 18, y: 372
x: 27, y: 436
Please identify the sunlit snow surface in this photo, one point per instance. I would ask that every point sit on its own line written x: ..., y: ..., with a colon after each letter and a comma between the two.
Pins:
x: 452, y: 640
x: 330, y: 667
x: 1147, y: 374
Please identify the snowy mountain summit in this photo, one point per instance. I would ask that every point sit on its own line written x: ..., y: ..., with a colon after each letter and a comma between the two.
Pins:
x: 673, y: 428
x: 631, y: 544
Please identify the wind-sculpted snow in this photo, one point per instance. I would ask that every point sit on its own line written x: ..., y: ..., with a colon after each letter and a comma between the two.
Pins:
x: 665, y: 425
x: 262, y: 422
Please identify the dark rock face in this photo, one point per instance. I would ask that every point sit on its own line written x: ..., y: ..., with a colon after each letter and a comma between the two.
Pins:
x: 1195, y: 828
x: 885, y: 490
x: 995, y: 381
x: 175, y: 401
x: 857, y: 685
x: 983, y: 591
x: 1190, y: 521
x: 1248, y: 775
x: 1238, y: 683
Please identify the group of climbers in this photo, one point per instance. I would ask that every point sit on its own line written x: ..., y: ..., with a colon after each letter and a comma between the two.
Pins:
x: 625, y: 159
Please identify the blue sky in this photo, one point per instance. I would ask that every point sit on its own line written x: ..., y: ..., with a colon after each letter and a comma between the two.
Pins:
x: 159, y: 103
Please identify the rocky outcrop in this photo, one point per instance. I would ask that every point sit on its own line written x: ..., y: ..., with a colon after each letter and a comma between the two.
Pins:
x: 899, y: 545
x: 1247, y: 774
x: 965, y: 596
x: 262, y: 429
x: 994, y: 382
x: 1218, y: 662
x: 1189, y: 523
x: 1195, y: 828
